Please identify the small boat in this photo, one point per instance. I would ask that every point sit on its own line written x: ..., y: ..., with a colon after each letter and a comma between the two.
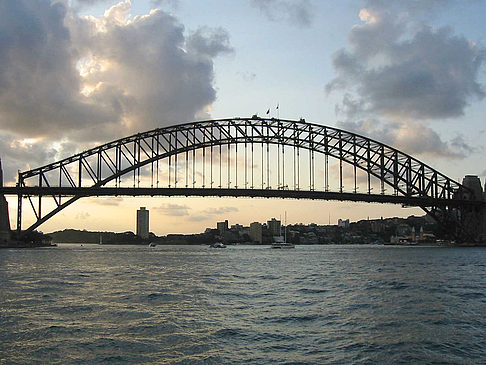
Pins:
x: 217, y: 245
x: 152, y: 244
x: 282, y: 245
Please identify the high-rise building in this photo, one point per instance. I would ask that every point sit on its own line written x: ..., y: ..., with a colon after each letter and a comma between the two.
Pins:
x: 222, y: 227
x: 256, y: 232
x: 274, y: 226
x: 143, y: 223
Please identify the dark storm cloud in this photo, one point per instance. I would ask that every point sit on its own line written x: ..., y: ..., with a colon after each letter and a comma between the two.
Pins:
x: 65, y: 77
x: 296, y: 12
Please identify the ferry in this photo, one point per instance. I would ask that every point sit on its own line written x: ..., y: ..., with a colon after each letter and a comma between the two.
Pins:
x: 282, y: 245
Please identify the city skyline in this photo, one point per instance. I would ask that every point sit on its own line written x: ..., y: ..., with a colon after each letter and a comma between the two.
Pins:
x: 409, y: 75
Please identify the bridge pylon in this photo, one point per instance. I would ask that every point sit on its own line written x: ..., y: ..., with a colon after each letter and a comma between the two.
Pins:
x: 473, y: 218
x: 4, y: 217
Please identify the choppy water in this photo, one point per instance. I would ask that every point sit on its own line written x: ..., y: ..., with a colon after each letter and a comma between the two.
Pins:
x: 191, y: 304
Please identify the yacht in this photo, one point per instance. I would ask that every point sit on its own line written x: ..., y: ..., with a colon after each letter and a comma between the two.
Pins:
x: 152, y: 244
x: 217, y: 245
x: 282, y: 243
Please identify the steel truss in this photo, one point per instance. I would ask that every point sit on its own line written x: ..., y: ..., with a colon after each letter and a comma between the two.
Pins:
x: 85, y: 174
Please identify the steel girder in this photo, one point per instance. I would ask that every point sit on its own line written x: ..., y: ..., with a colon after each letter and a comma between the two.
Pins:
x: 94, y: 168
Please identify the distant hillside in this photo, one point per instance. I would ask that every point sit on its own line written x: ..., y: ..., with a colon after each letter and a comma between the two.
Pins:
x: 77, y: 236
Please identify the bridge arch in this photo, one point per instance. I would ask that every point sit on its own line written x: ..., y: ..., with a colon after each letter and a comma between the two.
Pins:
x: 89, y: 172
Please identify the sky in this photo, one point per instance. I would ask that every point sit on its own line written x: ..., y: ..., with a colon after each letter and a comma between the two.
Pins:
x: 79, y: 73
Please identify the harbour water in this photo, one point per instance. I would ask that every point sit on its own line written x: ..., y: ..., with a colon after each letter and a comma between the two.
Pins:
x: 191, y: 304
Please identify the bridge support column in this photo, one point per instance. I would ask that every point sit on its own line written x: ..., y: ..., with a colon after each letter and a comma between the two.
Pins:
x: 474, y: 218
x: 19, y: 214
x: 4, y: 217
x: 19, y: 206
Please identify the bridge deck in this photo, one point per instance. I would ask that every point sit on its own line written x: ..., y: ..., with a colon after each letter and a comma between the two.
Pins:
x: 224, y: 192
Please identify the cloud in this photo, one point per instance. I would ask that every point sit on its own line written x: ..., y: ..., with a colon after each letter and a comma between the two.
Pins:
x: 66, y: 77
x: 398, y: 73
x: 23, y: 153
x: 198, y: 218
x: 209, y: 41
x: 431, y: 75
x: 112, y: 201
x: 218, y: 211
x: 247, y: 76
x: 173, y: 210
x: 82, y: 215
x: 296, y: 12
x: 210, y: 213
x: 172, y: 3
x: 91, y: 2
x: 410, y: 137
x: 39, y: 82
x: 146, y: 68
x: 176, y: 210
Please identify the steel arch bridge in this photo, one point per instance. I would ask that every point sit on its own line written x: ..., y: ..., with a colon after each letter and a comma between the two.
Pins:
x: 252, y: 157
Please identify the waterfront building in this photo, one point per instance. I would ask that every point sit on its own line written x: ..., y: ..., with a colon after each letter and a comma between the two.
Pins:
x: 143, y: 223
x: 237, y: 227
x: 274, y: 227
x: 256, y: 232
x: 343, y: 223
x: 377, y: 225
x: 222, y: 227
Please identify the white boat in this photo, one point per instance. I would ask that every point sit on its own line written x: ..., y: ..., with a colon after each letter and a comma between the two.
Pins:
x: 283, y: 243
x: 217, y: 245
x: 152, y: 244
